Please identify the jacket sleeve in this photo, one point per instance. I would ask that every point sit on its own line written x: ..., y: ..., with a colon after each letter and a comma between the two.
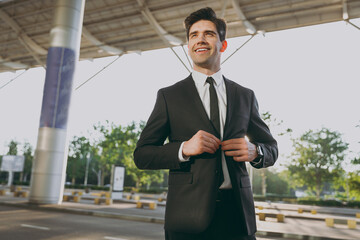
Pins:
x: 150, y: 151
x: 259, y: 134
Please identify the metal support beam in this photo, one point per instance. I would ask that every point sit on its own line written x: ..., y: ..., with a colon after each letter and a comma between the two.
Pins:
x: 13, y: 65
x: 164, y: 35
x: 22, y: 35
x: 107, y: 48
x: 250, y: 28
x: 32, y: 47
x: 49, y: 166
x: 355, y: 26
x: 223, y: 8
x: 345, y: 11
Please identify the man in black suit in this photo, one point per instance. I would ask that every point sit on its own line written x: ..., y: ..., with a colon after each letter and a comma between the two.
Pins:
x: 206, y: 118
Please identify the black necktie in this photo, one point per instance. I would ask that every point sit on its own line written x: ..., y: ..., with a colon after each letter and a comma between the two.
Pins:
x: 215, y: 119
x: 214, y: 105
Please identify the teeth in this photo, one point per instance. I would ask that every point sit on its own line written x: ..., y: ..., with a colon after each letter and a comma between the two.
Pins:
x: 200, y: 49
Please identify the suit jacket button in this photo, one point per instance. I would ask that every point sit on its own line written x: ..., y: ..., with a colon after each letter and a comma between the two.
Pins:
x: 216, y: 172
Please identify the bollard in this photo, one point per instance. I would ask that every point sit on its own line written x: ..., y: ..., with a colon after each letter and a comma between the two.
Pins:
x: 76, y: 198
x: 138, y: 205
x: 300, y: 210
x: 329, y: 222
x: 357, y: 215
x: 108, y: 201
x: 280, y: 217
x: 65, y: 198
x: 313, y: 211
x: 262, y: 216
x: 152, y: 205
x: 351, y: 224
x: 2, y: 192
x: 128, y: 197
x: 97, y: 200
x: 137, y: 198
x: 260, y: 207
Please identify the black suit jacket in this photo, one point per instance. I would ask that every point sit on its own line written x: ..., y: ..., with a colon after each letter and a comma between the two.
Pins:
x: 178, y: 115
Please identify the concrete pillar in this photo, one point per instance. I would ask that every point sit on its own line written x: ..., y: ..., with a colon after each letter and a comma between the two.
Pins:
x: 49, y: 166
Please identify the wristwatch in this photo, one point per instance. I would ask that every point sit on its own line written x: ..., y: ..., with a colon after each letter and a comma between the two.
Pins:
x: 260, y: 154
x: 259, y: 151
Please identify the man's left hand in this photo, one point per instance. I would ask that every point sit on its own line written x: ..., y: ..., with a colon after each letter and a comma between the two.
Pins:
x: 240, y: 149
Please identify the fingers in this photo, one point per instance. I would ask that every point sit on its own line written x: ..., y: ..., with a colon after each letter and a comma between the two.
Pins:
x: 241, y: 159
x: 236, y: 153
x: 210, y: 137
x: 236, y: 148
x: 209, y: 142
x: 201, y: 142
x: 234, y: 144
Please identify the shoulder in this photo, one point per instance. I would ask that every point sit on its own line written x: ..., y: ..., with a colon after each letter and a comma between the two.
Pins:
x: 182, y: 84
x: 239, y: 88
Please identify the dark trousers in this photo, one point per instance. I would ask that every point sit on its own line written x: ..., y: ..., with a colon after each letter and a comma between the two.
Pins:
x: 225, y: 225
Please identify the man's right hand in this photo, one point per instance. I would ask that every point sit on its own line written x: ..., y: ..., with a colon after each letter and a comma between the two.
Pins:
x: 200, y: 143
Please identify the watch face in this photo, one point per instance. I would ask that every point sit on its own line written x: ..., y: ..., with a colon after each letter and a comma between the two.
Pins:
x: 259, y: 151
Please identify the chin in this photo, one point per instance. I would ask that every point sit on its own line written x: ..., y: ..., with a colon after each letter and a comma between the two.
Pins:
x: 203, y: 64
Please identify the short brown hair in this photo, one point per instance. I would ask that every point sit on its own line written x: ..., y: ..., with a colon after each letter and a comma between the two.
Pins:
x: 206, y: 14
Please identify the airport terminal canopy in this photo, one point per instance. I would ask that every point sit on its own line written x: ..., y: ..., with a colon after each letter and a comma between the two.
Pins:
x: 115, y: 27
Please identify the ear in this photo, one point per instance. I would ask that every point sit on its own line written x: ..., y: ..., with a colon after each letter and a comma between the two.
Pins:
x: 224, y: 46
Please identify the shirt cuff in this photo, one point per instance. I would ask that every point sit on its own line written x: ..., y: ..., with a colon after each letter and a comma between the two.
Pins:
x: 181, y: 158
x: 256, y: 162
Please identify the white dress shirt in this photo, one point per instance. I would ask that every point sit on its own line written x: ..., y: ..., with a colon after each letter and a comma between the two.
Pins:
x: 203, y: 89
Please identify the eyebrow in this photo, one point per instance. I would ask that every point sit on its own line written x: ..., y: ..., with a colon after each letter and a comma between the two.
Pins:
x: 206, y: 31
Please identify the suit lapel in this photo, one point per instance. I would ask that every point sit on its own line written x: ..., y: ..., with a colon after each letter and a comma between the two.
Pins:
x: 193, y: 94
x: 230, y: 95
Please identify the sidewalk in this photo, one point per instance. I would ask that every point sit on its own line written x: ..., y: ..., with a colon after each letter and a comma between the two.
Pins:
x: 292, y: 228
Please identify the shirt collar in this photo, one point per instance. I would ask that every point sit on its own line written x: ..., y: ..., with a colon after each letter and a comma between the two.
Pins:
x: 200, y: 78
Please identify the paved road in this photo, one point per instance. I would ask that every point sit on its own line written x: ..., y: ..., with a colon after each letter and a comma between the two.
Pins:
x: 19, y: 224
x: 43, y: 223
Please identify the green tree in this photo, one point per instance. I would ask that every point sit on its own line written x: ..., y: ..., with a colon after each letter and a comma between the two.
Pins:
x: 353, y: 178
x: 276, y: 182
x: 272, y: 122
x: 354, y: 185
x: 13, y: 148
x: 317, y: 159
x: 79, y: 150
x: 116, y: 145
x: 29, y: 157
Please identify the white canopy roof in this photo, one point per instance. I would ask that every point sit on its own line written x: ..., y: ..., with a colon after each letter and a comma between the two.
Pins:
x: 114, y: 27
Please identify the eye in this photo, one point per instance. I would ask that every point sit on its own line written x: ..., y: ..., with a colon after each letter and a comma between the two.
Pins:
x: 193, y: 35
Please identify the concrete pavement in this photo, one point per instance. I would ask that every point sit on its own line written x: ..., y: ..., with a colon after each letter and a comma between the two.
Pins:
x: 295, y: 226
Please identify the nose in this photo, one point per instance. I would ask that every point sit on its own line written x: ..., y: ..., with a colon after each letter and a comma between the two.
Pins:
x: 201, y: 39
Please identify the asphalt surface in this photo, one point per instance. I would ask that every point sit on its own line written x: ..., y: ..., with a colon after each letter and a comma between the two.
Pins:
x: 18, y: 224
x: 123, y: 221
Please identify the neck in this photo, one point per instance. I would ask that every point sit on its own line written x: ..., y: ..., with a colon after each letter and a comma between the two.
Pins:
x: 206, y: 71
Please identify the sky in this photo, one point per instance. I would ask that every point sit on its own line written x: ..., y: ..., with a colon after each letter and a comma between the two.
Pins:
x: 307, y: 77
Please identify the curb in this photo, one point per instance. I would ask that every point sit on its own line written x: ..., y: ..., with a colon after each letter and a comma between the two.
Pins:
x: 292, y: 236
x: 86, y: 212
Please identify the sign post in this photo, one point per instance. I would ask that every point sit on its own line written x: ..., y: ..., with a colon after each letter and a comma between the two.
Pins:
x: 117, y: 182
x: 11, y: 164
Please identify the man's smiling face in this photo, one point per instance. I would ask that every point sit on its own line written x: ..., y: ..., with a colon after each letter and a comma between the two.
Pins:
x: 205, y: 46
